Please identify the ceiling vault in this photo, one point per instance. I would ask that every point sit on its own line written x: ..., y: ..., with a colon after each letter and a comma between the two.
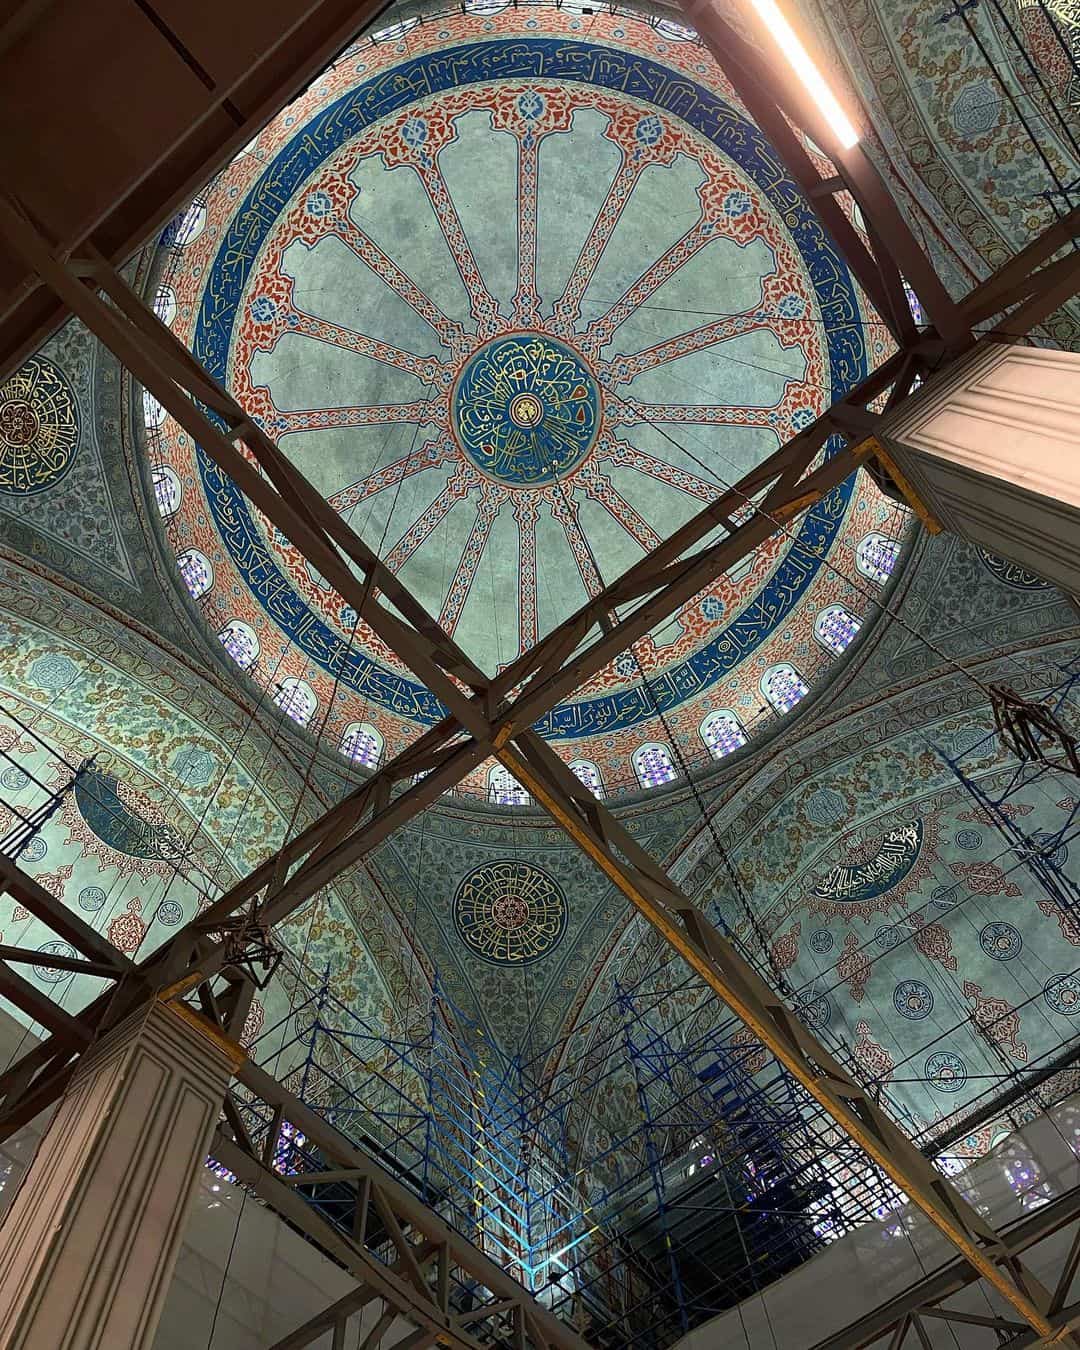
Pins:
x: 492, y: 717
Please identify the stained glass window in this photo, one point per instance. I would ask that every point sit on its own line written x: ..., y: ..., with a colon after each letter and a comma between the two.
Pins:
x: 783, y: 686
x: 167, y: 490
x: 187, y: 226
x: 287, y: 1159
x: 876, y: 555
x: 653, y: 766
x: 587, y: 772
x: 361, y: 743
x: 835, y: 627
x: 913, y: 303
x: 196, y: 570
x: 296, y: 700
x: 153, y: 412
x: 675, y: 32
x: 240, y: 642
x: 504, y: 789
x: 165, y: 305
x: 722, y: 732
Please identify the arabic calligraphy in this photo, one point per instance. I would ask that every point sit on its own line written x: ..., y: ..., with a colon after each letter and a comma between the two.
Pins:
x: 581, y: 63
x: 869, y: 877
x: 525, y: 409
x: 39, y: 428
x: 510, y: 912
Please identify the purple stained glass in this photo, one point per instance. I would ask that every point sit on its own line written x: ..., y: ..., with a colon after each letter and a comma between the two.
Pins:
x: 295, y: 700
x: 362, y: 745
x: 783, y: 686
x: 835, y: 628
x: 166, y: 489
x: 722, y: 732
x: 653, y: 765
x: 195, y: 570
x: 505, y: 790
x: 241, y: 643
x: 589, y: 774
x: 876, y: 557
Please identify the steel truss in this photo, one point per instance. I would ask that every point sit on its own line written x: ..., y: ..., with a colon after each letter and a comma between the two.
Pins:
x: 488, y: 717
x: 904, y: 1319
x: 397, y: 1247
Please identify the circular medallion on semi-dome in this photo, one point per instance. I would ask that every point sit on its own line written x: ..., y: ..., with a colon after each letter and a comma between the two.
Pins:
x: 525, y: 409
x: 510, y: 912
x: 945, y: 1071
x: 461, y: 286
x: 39, y: 428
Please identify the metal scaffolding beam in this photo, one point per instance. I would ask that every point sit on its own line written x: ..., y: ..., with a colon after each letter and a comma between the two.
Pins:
x: 931, y: 1292
x: 430, y: 1260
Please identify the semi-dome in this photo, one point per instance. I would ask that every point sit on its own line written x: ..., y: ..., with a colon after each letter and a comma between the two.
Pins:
x: 519, y: 293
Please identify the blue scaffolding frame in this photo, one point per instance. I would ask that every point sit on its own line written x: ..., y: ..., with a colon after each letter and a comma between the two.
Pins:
x: 728, y: 1176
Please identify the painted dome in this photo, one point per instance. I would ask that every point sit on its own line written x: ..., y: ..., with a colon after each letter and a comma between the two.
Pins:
x: 519, y: 293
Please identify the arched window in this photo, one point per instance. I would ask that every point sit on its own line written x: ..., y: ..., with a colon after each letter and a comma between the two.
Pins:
x: 393, y: 31
x: 835, y: 627
x: 504, y: 789
x: 876, y: 555
x: 587, y: 772
x: 240, y: 642
x: 165, y: 305
x: 187, y: 226
x: 913, y: 302
x: 167, y: 489
x: 317, y: 577
x: 722, y: 732
x: 783, y: 686
x: 361, y: 743
x: 653, y: 766
x: 196, y: 570
x: 153, y: 412
x: 296, y: 700
x: 675, y: 32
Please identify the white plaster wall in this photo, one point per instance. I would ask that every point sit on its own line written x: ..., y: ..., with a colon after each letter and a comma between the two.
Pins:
x: 880, y: 1260
x: 272, y: 1282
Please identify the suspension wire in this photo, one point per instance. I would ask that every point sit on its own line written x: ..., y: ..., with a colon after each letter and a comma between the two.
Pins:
x: 980, y: 329
x: 228, y: 1267
x: 819, y: 555
x: 708, y: 820
x: 961, y: 10
x: 1036, y: 74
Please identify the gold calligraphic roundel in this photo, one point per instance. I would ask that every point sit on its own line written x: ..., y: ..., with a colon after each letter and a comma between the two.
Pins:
x: 510, y: 912
x: 526, y: 409
x: 39, y: 428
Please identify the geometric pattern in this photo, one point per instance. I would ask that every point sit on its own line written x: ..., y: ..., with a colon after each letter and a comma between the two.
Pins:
x: 510, y: 912
x: 463, y: 288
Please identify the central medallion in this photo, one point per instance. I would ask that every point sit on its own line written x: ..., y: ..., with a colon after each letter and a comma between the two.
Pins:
x: 510, y: 912
x: 525, y: 409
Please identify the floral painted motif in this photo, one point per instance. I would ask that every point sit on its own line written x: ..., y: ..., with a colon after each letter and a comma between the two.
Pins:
x: 755, y: 1056
x: 127, y: 930
x: 785, y: 950
x: 1066, y: 919
x: 998, y: 1020
x: 253, y: 1023
x: 854, y: 967
x: 984, y: 878
x: 873, y: 1059
x: 935, y: 943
